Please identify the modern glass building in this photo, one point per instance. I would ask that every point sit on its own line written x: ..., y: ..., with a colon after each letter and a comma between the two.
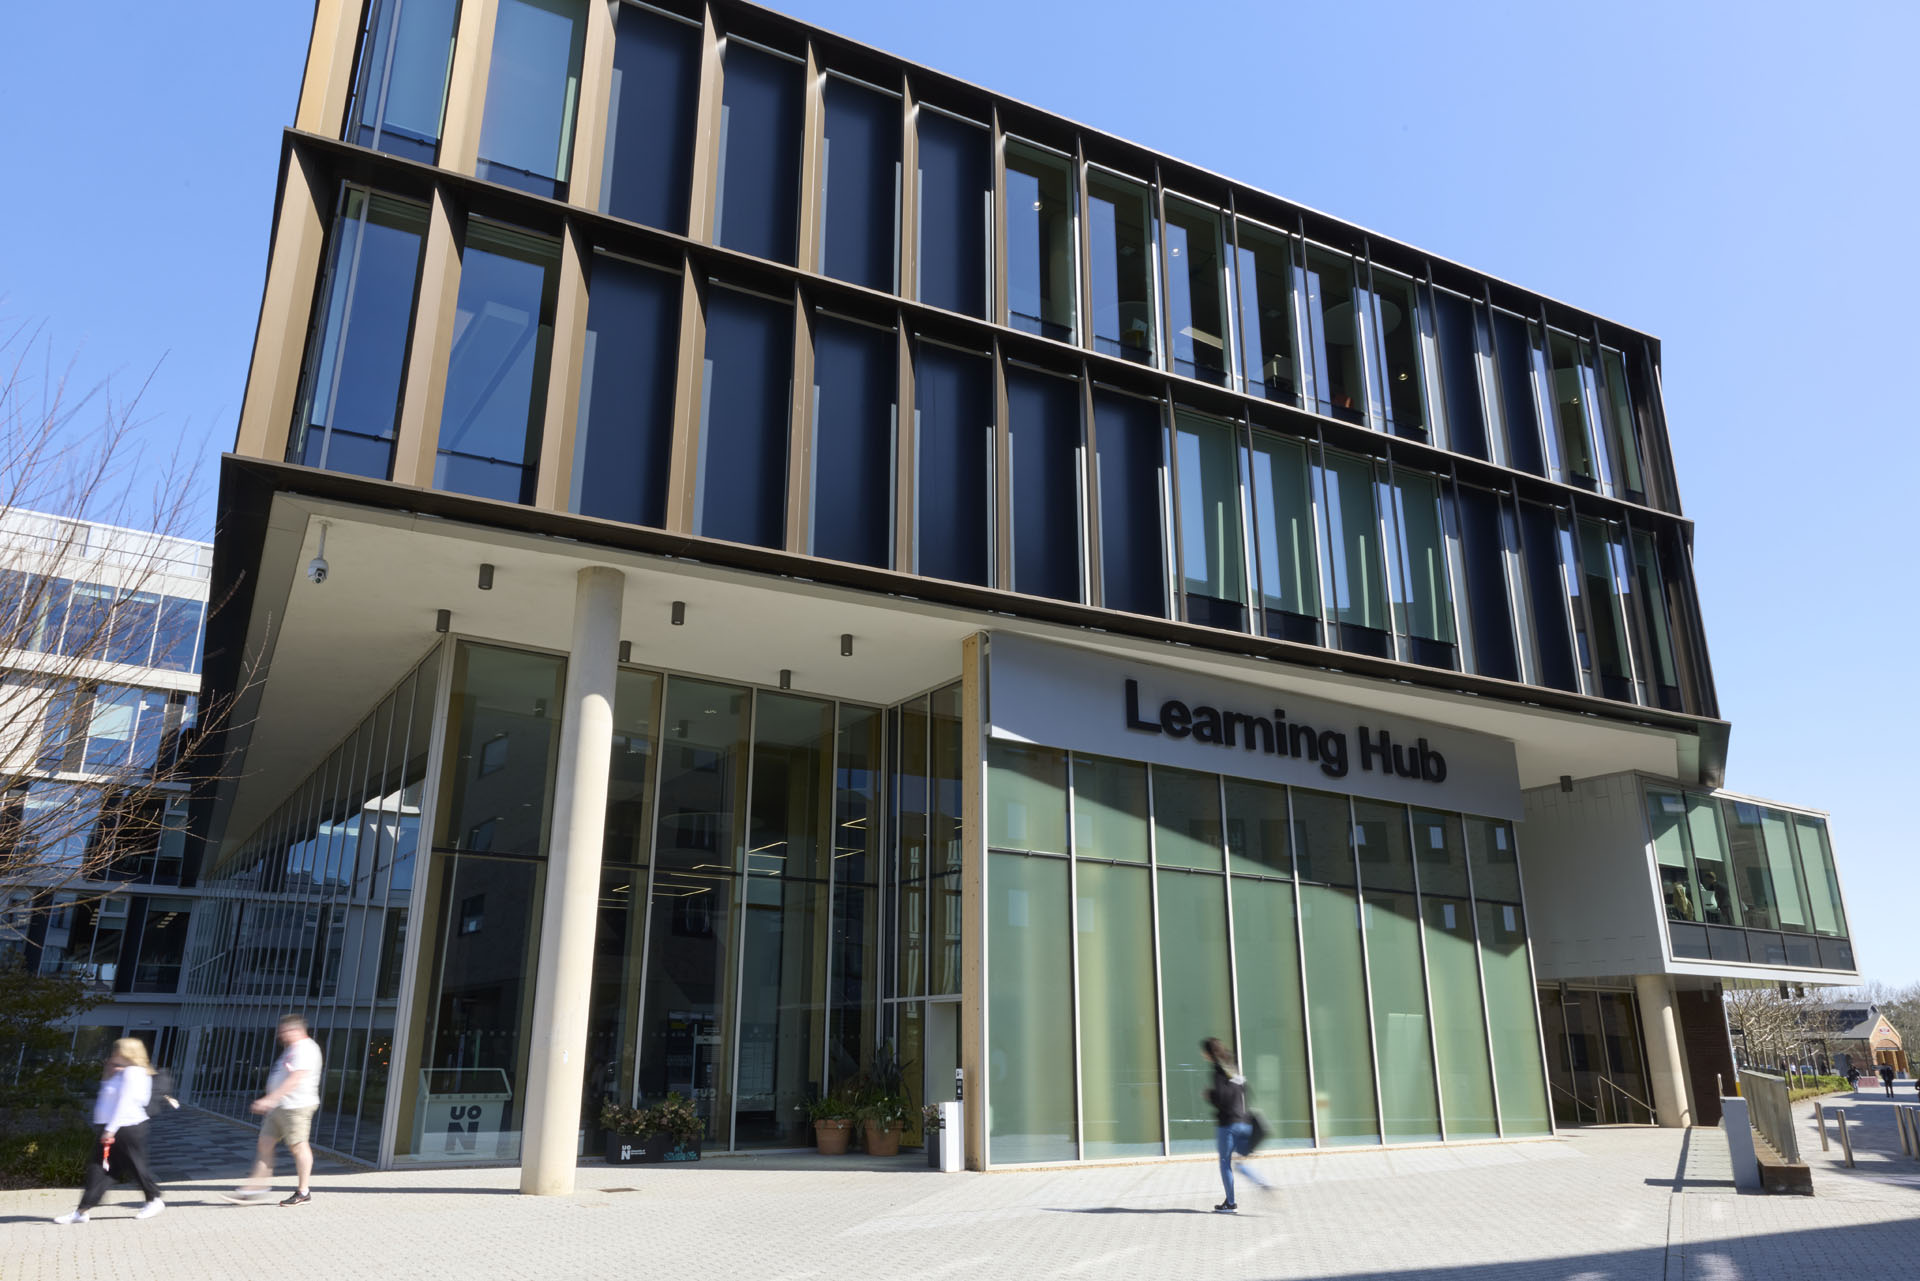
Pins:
x: 823, y: 560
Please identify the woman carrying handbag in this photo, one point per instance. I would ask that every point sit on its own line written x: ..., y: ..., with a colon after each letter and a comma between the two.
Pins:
x: 120, y: 1110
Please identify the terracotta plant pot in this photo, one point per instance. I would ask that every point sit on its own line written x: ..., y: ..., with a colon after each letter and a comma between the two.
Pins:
x: 832, y: 1136
x: 884, y: 1142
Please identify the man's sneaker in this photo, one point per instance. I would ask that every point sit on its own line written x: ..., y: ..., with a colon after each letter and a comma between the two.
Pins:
x: 151, y: 1208
x: 71, y: 1216
x: 242, y: 1196
x: 298, y: 1198
x: 1225, y: 1207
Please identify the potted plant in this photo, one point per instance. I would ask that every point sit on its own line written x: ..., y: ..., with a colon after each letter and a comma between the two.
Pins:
x: 832, y: 1119
x: 670, y: 1130
x: 884, y: 1118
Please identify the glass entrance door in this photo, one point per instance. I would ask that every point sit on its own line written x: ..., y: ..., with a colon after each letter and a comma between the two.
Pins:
x: 1595, y: 1063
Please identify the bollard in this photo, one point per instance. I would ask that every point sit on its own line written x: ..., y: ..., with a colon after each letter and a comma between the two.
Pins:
x: 1913, y: 1128
x: 1846, y: 1139
x: 1902, y: 1123
x: 1820, y: 1119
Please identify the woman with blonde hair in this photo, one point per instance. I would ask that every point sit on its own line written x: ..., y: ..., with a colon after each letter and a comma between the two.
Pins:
x: 120, y: 1110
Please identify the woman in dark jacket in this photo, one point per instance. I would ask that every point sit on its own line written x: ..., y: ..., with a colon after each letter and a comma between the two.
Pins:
x: 1233, y: 1125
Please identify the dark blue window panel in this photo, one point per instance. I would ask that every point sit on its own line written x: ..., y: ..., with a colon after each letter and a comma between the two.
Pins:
x: 496, y: 390
x: 1547, y: 594
x: 133, y: 623
x: 357, y: 366
x: 625, y: 436
x: 400, y: 89
x: 651, y: 119
x: 1515, y: 361
x: 1044, y: 414
x: 855, y: 377
x: 953, y: 403
x: 1485, y: 555
x: 859, y: 240
x: 743, y: 438
x: 178, y: 634
x: 956, y: 179
x: 762, y: 110
x: 1466, y: 423
x: 1131, y: 445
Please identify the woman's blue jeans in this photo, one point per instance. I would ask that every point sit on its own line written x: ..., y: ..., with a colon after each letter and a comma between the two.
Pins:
x: 1234, y: 1140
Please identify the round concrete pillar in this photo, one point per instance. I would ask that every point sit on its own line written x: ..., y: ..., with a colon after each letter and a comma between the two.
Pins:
x: 557, y: 1042
x: 1665, y: 1062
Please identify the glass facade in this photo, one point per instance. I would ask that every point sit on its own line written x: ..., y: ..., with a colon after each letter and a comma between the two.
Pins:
x: 1128, y: 900
x: 1746, y: 882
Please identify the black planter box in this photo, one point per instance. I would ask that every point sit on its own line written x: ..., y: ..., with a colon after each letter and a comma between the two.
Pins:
x: 649, y: 1149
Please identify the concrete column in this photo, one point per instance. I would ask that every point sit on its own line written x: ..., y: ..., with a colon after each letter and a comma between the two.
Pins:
x: 563, y: 981
x: 973, y: 900
x: 1665, y: 1063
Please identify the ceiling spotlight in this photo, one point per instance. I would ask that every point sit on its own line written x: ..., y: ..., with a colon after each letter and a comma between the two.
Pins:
x: 786, y: 678
x: 626, y: 651
x: 443, y: 620
x: 846, y: 644
x: 486, y: 578
x: 679, y: 613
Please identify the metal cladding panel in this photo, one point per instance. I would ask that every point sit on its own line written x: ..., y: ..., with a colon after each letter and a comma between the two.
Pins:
x: 1592, y: 907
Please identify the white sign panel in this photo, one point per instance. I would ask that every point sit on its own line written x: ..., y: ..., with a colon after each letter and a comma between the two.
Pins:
x: 1057, y: 696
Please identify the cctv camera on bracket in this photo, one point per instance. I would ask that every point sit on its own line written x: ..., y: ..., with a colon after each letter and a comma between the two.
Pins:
x: 317, y: 568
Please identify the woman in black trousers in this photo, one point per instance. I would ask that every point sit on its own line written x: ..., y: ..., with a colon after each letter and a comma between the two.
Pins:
x: 120, y: 1111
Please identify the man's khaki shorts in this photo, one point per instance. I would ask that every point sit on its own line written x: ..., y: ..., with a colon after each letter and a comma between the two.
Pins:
x: 288, y: 1125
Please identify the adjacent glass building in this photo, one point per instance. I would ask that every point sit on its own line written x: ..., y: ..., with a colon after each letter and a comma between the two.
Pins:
x: 708, y: 416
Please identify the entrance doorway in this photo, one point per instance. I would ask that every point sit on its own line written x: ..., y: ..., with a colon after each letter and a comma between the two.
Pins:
x: 1596, y: 1065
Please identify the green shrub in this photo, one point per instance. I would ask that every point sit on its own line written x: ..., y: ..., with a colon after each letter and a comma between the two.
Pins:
x: 52, y: 1158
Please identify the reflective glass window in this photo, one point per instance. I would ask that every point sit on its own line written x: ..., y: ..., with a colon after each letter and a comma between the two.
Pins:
x: 1109, y: 809
x: 1512, y: 1004
x: 1124, y: 234
x: 1566, y: 376
x: 1488, y: 606
x: 953, y: 459
x: 1333, y: 366
x: 1616, y: 412
x: 358, y: 363
x: 756, y: 205
x: 89, y: 620
x: 1337, y: 1014
x: 1666, y: 819
x: 1042, y: 281
x: 1650, y: 605
x: 623, y: 439
x: 1823, y: 881
x: 400, y: 89
x: 1273, y: 1042
x: 177, y: 637
x: 1026, y: 797
x: 652, y: 117
x: 955, y: 209
x: 504, y: 737
x: 1196, y: 284
x: 1131, y: 446
x: 1752, y: 870
x: 855, y: 376
x: 1045, y: 426
x: 1402, y: 1032
x: 1420, y: 585
x: 1265, y: 277
x: 853, y: 985
x: 1453, y: 976
x: 860, y: 163
x: 1186, y: 819
x: 1353, y: 578
x: 533, y: 94
x: 1791, y: 896
x: 1603, y: 567
x: 1029, y: 1012
x: 748, y: 372
x: 1212, y: 551
x: 1197, y: 1003
x: 1456, y: 342
x: 134, y: 617
x: 1119, y: 1042
x: 1390, y: 322
x: 496, y: 391
x: 1284, y: 538
x: 1547, y: 597
x: 1513, y: 357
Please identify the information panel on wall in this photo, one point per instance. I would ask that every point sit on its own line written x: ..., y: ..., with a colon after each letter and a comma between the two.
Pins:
x: 1059, y: 696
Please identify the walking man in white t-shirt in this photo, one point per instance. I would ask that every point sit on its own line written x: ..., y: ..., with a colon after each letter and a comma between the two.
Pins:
x: 287, y: 1108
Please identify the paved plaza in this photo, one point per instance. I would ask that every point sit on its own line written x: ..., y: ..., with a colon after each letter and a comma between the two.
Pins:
x: 1596, y: 1205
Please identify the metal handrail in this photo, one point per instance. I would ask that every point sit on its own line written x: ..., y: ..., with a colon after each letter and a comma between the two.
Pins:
x: 1631, y: 1096
x: 1771, y: 1112
x: 1577, y: 1101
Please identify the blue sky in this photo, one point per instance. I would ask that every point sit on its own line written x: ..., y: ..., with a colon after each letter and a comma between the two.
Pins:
x: 1738, y: 180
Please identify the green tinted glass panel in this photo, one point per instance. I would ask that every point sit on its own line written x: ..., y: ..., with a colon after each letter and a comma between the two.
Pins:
x: 1196, y: 1000
x: 1666, y: 818
x: 1273, y: 1042
x: 1496, y: 867
x: 1257, y: 828
x: 1752, y: 877
x: 1120, y: 1052
x: 1518, y: 1074
x: 1186, y: 818
x: 1109, y: 809
x: 1029, y: 1012
x: 1027, y: 798
x: 1460, y: 1025
x: 1823, y: 885
x: 1322, y: 837
x: 1337, y: 1016
x: 1794, y: 914
x: 1402, y: 1039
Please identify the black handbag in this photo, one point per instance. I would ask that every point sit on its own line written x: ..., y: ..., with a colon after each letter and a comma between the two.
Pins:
x: 1260, y: 1130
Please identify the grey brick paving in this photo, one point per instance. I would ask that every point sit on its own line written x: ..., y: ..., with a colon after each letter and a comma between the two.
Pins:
x: 1599, y: 1205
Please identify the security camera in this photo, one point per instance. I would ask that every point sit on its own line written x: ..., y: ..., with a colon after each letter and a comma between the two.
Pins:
x: 317, y: 567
